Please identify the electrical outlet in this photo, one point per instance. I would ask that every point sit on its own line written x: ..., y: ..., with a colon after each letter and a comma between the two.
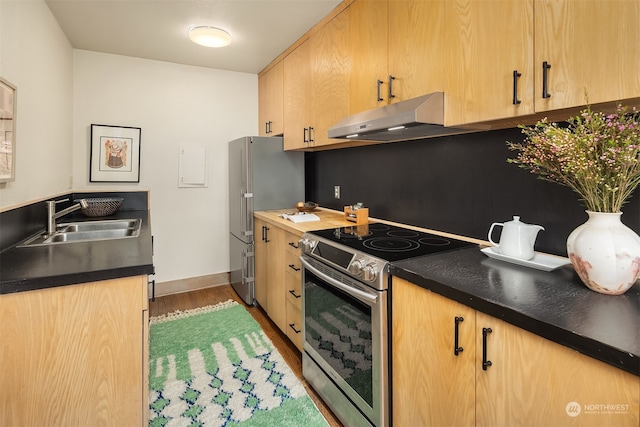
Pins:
x: 336, y: 191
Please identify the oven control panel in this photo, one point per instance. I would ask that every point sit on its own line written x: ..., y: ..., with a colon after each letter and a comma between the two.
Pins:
x: 359, y: 265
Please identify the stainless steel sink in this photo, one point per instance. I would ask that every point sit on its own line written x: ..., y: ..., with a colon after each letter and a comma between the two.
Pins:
x: 105, y: 225
x: 86, y: 231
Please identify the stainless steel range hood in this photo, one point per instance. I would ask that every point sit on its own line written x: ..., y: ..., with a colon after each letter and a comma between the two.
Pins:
x: 421, y: 117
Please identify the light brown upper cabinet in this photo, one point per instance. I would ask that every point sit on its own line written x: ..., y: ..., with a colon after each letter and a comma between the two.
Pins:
x: 509, y: 58
x: 495, y: 60
x: 270, y: 101
x: 591, y: 46
x: 488, y: 60
x: 316, y: 85
x: 369, y: 53
x: 330, y: 67
x: 396, y: 51
x: 297, y: 97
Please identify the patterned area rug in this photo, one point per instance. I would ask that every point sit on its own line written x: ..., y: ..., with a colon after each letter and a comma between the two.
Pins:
x: 214, y: 366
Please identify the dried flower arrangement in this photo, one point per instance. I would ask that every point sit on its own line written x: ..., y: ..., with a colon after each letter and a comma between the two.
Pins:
x: 597, y: 155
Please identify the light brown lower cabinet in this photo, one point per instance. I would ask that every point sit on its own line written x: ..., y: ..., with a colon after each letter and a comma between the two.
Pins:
x: 270, y: 255
x: 75, y: 355
x: 261, y: 262
x: 293, y: 289
x: 277, y: 277
x: 526, y: 380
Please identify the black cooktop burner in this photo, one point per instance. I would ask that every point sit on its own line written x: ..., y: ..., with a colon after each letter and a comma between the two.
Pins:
x: 389, y: 242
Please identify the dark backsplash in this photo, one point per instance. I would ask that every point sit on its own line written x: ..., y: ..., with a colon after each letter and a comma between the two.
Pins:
x: 459, y: 184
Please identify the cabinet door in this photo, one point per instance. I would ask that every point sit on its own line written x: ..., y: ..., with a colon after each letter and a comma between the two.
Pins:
x: 261, y: 263
x: 368, y: 54
x: 330, y: 78
x: 431, y: 385
x: 416, y: 31
x: 73, y: 355
x: 592, y: 46
x: 276, y: 259
x: 535, y: 382
x: 486, y: 42
x: 270, y: 101
x: 297, y: 94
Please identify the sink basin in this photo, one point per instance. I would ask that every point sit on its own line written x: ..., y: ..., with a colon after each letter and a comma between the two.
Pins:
x: 87, y: 231
x: 106, y: 225
x: 83, y: 236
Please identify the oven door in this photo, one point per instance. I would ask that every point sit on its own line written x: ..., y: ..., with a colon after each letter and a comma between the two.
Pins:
x: 345, y: 334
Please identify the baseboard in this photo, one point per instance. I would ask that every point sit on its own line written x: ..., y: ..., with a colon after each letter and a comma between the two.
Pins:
x: 191, y: 284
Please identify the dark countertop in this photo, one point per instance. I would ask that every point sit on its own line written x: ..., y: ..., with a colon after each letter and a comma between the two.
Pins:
x: 554, y: 305
x: 40, y: 267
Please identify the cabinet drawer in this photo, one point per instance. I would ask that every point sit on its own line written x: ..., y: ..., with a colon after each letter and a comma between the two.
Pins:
x: 293, y: 265
x: 293, y: 245
x: 294, y: 291
x: 294, y: 324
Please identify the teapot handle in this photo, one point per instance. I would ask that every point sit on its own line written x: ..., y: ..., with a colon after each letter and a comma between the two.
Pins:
x: 491, y: 229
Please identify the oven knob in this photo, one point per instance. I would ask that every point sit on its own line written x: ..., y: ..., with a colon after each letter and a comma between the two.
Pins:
x: 306, y: 245
x: 369, y: 272
x: 356, y: 267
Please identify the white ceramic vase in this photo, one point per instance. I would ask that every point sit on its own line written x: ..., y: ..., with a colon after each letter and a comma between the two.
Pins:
x: 605, y: 253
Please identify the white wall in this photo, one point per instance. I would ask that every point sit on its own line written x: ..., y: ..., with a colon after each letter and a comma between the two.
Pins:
x: 172, y: 104
x: 36, y: 57
x: 61, y: 92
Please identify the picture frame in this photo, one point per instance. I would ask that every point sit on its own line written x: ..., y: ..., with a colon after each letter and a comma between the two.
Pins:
x: 8, y: 116
x: 115, y: 154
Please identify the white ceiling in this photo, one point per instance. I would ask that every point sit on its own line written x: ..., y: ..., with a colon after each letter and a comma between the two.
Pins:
x: 157, y: 29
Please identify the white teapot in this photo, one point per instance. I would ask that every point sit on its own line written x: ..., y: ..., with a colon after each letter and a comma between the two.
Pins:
x: 517, y: 238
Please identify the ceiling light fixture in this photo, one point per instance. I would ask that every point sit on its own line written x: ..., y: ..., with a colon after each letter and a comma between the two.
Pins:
x: 209, y: 36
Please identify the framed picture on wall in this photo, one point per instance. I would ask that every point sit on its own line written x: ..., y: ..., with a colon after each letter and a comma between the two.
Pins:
x: 8, y: 111
x: 115, y: 154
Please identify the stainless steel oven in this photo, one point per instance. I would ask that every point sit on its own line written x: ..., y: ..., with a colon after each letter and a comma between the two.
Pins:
x: 345, y: 344
x: 345, y: 284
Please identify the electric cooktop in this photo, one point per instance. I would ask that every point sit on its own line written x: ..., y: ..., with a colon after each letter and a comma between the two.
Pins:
x: 390, y: 243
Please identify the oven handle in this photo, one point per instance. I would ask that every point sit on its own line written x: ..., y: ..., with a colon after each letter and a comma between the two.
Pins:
x: 352, y: 291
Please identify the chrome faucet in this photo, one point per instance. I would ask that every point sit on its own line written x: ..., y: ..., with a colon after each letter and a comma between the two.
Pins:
x: 52, y: 215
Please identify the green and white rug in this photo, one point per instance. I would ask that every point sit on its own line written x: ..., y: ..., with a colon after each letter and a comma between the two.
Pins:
x: 214, y: 366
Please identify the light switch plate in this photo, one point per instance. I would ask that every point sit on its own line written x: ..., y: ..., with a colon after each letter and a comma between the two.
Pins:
x: 336, y: 191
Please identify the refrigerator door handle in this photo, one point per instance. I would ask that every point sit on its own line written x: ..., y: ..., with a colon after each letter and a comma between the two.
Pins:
x: 247, y: 223
x: 247, y: 275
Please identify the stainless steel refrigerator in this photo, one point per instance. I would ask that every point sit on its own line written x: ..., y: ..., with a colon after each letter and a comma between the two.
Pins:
x: 261, y: 177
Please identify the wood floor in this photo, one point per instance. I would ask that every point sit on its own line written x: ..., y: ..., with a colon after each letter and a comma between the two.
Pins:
x: 209, y: 296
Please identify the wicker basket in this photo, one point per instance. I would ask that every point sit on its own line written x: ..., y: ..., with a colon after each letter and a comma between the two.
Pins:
x: 102, y: 206
x: 308, y: 207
